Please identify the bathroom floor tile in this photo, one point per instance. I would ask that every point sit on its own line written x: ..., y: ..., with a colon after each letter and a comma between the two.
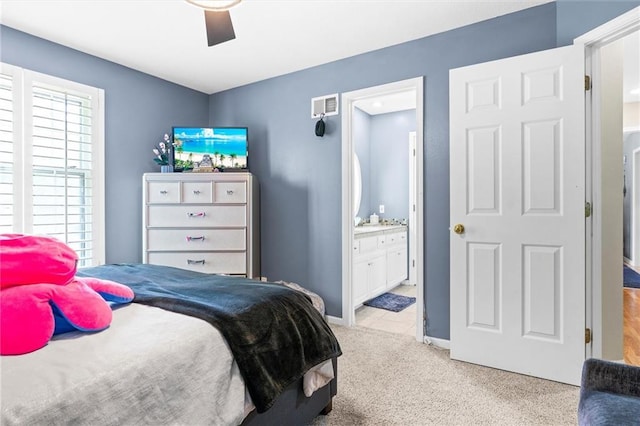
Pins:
x: 403, y: 322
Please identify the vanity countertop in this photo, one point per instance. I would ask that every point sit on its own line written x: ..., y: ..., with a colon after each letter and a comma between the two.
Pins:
x: 370, y: 230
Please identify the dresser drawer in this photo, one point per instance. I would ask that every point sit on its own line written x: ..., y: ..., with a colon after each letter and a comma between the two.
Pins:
x: 230, y: 192
x: 196, y: 216
x: 196, y: 239
x: 210, y: 263
x: 197, y: 192
x: 163, y: 192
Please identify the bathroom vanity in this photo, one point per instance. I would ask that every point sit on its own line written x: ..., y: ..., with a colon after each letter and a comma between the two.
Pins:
x: 379, y: 260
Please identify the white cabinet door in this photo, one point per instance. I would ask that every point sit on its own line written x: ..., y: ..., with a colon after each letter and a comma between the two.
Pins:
x: 360, y: 281
x: 396, y: 266
x: 377, y: 274
x: 517, y: 182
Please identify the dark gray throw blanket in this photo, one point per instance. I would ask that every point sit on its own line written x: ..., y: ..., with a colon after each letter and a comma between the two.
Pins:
x: 275, y: 333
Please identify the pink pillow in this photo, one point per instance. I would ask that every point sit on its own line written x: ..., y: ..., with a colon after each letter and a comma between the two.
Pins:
x: 39, y: 296
x: 31, y: 313
x: 31, y: 259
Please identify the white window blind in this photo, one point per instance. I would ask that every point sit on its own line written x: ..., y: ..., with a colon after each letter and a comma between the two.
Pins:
x: 6, y: 153
x: 61, y: 174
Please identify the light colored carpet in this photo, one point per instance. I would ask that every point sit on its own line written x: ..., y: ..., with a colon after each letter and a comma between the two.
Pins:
x: 390, y: 379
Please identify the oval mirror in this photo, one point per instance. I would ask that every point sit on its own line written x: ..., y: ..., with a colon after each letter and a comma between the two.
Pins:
x: 357, y: 184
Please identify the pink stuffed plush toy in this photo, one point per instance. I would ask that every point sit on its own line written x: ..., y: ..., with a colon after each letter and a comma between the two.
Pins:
x: 40, y: 296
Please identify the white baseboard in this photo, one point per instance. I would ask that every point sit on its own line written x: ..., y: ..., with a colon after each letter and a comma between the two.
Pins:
x: 334, y: 320
x: 438, y: 343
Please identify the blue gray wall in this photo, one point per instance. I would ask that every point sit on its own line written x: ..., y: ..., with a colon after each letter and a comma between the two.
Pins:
x: 139, y: 110
x: 631, y: 143
x: 576, y: 17
x: 389, y: 165
x: 278, y: 109
x: 300, y: 174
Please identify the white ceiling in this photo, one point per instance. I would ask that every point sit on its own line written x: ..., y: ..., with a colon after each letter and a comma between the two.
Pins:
x: 399, y: 101
x: 167, y: 38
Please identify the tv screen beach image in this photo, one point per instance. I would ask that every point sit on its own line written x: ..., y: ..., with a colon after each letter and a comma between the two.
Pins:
x: 226, y: 146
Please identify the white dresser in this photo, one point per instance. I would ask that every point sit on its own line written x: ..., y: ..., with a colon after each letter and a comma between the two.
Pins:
x: 205, y: 222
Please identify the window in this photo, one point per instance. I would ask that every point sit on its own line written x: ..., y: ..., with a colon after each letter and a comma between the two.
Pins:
x: 52, y: 160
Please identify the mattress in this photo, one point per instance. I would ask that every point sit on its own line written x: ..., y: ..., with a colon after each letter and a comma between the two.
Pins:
x: 150, y: 366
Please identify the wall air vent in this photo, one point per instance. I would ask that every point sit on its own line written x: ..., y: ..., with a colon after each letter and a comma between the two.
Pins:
x: 324, y: 105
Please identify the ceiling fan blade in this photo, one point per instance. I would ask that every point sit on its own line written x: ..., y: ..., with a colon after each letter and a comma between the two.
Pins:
x: 219, y: 27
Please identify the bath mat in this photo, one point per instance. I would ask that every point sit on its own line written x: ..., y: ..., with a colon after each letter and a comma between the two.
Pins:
x: 391, y: 302
x: 631, y: 278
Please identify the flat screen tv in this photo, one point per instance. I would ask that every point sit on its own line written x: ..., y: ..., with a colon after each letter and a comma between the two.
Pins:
x: 225, y: 148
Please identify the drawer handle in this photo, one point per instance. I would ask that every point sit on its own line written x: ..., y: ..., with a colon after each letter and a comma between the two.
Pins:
x: 201, y: 238
x: 163, y: 192
x: 195, y: 262
x: 195, y: 191
x: 229, y: 191
x: 201, y: 214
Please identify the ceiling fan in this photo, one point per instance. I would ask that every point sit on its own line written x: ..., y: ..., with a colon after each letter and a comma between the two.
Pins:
x: 217, y: 19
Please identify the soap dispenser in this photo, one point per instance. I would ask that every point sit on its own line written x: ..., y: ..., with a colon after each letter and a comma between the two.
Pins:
x: 373, y: 219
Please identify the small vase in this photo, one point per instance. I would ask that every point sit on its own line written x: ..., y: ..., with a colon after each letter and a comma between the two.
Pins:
x: 166, y: 168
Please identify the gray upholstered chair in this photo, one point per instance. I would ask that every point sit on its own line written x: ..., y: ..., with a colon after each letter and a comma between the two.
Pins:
x: 610, y: 394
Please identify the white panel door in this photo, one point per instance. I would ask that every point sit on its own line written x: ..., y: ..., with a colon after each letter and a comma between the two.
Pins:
x: 517, y: 165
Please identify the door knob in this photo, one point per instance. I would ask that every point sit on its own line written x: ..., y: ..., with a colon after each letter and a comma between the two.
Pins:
x: 458, y: 228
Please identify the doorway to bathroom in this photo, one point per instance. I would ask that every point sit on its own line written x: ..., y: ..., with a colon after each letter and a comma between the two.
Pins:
x: 382, y: 214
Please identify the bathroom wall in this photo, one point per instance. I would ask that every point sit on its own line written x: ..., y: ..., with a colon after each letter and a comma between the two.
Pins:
x: 381, y: 142
x: 631, y: 143
x: 389, y: 163
x: 631, y: 115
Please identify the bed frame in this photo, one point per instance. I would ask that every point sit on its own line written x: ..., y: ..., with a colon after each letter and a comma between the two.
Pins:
x: 293, y: 408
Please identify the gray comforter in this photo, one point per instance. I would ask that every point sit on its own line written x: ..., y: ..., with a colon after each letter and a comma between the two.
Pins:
x: 274, y: 333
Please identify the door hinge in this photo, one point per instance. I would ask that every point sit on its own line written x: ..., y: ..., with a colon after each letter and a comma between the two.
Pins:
x: 587, y: 335
x: 587, y: 82
x: 587, y: 209
x: 413, y: 263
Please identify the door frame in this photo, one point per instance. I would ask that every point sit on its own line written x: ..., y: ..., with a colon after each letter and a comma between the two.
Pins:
x: 592, y: 42
x: 348, y: 100
x: 413, y: 201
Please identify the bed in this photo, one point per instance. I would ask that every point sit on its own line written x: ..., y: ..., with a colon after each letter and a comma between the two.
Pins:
x: 162, y: 362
